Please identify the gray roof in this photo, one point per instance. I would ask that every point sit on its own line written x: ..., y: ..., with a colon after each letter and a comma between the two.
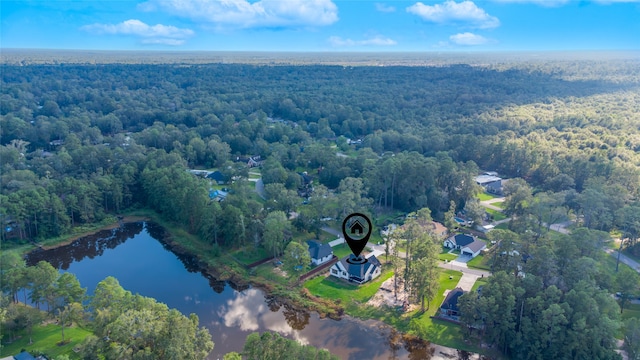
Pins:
x: 359, y: 270
x: 318, y: 250
x: 451, y: 301
x: 477, y: 245
x: 486, y: 179
x: 462, y: 239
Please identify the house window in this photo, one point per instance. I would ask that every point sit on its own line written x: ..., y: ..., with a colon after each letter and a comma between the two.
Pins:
x: 344, y: 273
x: 334, y: 271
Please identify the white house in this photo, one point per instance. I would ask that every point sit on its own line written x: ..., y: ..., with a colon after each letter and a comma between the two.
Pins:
x: 320, y: 253
x: 358, y: 273
x: 467, y: 244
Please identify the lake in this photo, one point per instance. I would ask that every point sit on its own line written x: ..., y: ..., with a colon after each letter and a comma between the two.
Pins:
x: 142, y: 264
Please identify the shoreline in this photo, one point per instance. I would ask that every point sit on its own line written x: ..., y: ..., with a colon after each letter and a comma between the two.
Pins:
x: 72, y: 238
x: 223, y: 272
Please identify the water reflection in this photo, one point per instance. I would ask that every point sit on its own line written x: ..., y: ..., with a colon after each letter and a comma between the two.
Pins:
x: 230, y: 312
x: 90, y: 247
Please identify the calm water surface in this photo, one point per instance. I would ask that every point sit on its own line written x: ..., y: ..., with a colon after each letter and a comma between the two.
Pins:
x: 143, y: 265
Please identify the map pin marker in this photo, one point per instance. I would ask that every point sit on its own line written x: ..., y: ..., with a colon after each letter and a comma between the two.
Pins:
x: 356, y: 229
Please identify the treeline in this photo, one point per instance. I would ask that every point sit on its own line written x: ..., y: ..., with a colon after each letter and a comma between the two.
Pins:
x: 549, y: 297
x: 124, y: 326
x: 82, y: 142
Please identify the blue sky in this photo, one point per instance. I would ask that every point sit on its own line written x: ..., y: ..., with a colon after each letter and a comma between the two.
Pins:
x: 322, y: 25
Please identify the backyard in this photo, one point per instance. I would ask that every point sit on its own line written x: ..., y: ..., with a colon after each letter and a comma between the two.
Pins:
x: 45, y: 340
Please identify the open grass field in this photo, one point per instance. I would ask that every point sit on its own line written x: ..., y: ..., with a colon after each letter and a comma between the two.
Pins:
x: 45, y: 339
x: 484, y: 196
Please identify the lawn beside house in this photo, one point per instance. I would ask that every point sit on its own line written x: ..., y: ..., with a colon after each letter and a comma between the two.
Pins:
x: 336, y: 289
x: 484, y: 196
x: 45, y: 339
x: 497, y: 215
x: 479, y: 262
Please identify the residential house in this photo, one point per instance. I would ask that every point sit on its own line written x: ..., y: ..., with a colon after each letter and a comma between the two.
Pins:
x: 320, y: 253
x: 490, y: 182
x: 449, y: 308
x: 217, y: 195
x: 437, y: 229
x: 358, y: 273
x: 218, y: 177
x: 467, y: 244
x: 252, y: 161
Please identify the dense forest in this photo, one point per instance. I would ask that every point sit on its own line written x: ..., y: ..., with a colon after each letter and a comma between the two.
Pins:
x: 83, y: 143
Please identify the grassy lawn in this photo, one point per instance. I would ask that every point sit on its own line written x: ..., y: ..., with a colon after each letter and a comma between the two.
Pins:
x: 479, y: 262
x: 439, y: 331
x: 503, y: 226
x: 499, y: 204
x: 45, y: 339
x: 341, y: 250
x: 444, y: 255
x: 250, y: 255
x: 631, y: 310
x: 266, y: 271
x: 336, y: 289
x: 479, y: 282
x: 486, y: 196
x: 497, y: 215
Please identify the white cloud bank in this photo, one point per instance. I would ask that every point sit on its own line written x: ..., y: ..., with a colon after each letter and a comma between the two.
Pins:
x: 245, y: 14
x: 453, y: 12
x: 468, y: 39
x: 150, y: 34
x: 337, y: 41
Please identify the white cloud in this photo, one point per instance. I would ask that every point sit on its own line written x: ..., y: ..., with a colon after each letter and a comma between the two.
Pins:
x: 245, y: 14
x: 150, y: 34
x: 467, y: 39
x: 453, y: 12
x: 385, y: 8
x: 379, y: 40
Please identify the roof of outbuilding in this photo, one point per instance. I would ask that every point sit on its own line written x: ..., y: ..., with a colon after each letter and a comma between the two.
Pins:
x: 318, y: 250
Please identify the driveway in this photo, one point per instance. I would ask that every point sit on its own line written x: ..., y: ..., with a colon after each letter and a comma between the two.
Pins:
x: 260, y: 189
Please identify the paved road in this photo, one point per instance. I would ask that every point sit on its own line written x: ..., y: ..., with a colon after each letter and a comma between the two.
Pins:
x: 454, y: 265
x: 331, y: 231
x: 624, y: 259
x: 487, y: 204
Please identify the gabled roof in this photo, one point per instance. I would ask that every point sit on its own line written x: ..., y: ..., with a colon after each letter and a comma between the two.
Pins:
x: 477, y: 245
x: 438, y: 228
x: 318, y: 250
x: 451, y: 301
x: 462, y: 239
x: 486, y: 179
x: 359, y: 270
x: 216, y: 175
